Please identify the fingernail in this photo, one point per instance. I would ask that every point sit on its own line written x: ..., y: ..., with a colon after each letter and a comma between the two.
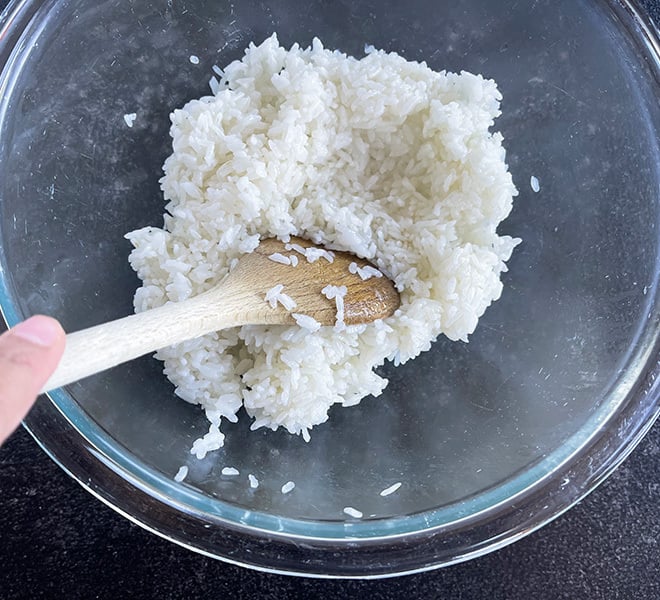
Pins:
x: 39, y: 330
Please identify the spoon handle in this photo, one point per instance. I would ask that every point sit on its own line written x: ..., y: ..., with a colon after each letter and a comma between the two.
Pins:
x: 104, y: 346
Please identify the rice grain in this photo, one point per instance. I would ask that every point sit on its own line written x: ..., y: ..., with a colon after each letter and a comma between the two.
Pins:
x: 390, y: 490
x: 288, y: 487
x: 181, y: 474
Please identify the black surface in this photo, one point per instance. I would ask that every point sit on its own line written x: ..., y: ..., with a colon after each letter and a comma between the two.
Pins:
x: 57, y: 541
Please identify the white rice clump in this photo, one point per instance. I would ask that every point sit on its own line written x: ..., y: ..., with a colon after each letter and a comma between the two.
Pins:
x: 379, y: 156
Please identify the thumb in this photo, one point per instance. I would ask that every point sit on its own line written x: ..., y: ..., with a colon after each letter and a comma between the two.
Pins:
x: 29, y: 354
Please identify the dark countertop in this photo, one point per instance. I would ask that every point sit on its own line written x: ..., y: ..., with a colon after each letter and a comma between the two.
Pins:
x: 57, y: 541
x: 60, y: 542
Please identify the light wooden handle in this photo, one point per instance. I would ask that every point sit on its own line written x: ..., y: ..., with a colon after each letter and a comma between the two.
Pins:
x: 239, y: 299
x: 104, y: 346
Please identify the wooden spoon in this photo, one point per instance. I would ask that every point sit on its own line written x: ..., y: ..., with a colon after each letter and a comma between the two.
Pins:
x: 238, y: 300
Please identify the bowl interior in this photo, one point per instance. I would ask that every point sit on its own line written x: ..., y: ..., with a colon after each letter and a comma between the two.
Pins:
x: 461, y: 419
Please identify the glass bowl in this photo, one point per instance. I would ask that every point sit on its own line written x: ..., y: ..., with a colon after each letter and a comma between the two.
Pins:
x: 491, y: 439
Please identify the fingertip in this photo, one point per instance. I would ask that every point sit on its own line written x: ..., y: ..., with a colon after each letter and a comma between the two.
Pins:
x: 39, y: 330
x: 29, y: 353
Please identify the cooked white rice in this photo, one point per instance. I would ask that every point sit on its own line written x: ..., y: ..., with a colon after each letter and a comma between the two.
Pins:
x: 378, y: 156
x: 214, y: 84
x: 334, y: 291
x: 286, y: 301
x: 313, y: 254
x: 297, y: 248
x: 306, y: 322
x: 366, y: 272
x: 181, y: 474
x: 353, y: 512
x: 391, y: 489
x: 280, y: 258
x: 288, y: 487
x: 275, y: 295
x: 337, y: 293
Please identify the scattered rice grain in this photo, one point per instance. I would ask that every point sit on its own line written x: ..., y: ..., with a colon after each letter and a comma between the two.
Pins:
x: 273, y: 294
x: 353, y: 512
x: 288, y: 486
x: 367, y: 272
x: 313, y: 254
x: 332, y: 291
x: 181, y: 474
x: 280, y: 258
x: 390, y: 490
x: 296, y: 248
x: 286, y: 301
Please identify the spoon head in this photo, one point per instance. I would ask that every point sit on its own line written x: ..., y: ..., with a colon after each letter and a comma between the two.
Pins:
x: 308, y: 274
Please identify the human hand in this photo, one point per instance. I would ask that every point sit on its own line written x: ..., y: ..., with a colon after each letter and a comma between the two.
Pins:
x: 29, y: 353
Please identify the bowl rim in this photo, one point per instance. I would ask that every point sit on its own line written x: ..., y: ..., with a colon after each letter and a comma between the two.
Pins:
x: 544, y: 491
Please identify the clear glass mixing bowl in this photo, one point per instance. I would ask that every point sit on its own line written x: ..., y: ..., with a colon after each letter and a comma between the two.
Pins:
x: 490, y: 439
